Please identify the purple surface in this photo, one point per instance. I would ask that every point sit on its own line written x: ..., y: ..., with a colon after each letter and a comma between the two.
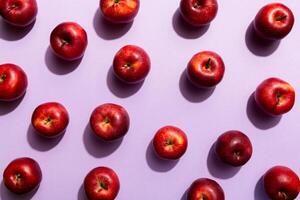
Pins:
x: 164, y: 98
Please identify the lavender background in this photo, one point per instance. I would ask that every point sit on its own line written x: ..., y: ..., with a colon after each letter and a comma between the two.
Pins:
x: 164, y: 98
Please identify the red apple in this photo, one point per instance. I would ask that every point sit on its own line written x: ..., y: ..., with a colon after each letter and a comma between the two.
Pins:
x: 13, y: 82
x: 69, y: 41
x: 131, y: 64
x: 205, y: 189
x: 274, y: 21
x: 206, y: 69
x: 119, y: 11
x: 18, y: 12
x: 101, y: 183
x: 170, y: 142
x: 22, y: 175
x: 275, y: 96
x: 50, y: 119
x: 234, y: 148
x: 110, y: 121
x: 198, y: 12
x: 281, y: 183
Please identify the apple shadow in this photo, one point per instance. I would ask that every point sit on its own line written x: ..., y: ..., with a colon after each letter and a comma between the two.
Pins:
x: 259, y: 46
x: 7, y: 107
x: 192, y: 93
x: 183, y: 29
x: 107, y: 30
x: 120, y: 88
x: 156, y: 163
x: 258, y: 117
x: 217, y: 168
x: 59, y: 66
x: 41, y: 143
x: 5, y: 194
x: 259, y: 191
x: 185, y: 194
x: 13, y: 33
x: 81, y: 193
x: 96, y: 147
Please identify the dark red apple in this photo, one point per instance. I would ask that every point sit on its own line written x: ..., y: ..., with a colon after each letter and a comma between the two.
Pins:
x: 131, y: 64
x: 281, y: 183
x: 275, y: 96
x: 234, y: 148
x: 101, y: 183
x: 170, y: 142
x: 205, y: 189
x: 110, y: 121
x: 18, y: 12
x: 198, y: 12
x: 50, y: 119
x: 274, y: 21
x: 69, y: 41
x: 205, y: 69
x: 13, y: 82
x: 119, y: 11
x: 22, y: 175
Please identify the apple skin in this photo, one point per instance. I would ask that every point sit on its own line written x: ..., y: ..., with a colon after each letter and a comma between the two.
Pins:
x: 275, y: 96
x: 13, y: 82
x: 68, y: 41
x: 18, y: 12
x: 198, y: 12
x: 281, y: 183
x: 205, y: 189
x: 206, y: 69
x: 110, y: 121
x: 274, y: 21
x: 101, y: 183
x: 119, y: 11
x: 170, y: 142
x: 22, y: 175
x: 50, y: 119
x: 131, y: 64
x: 234, y: 148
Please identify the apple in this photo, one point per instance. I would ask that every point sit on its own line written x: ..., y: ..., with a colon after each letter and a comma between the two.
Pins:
x: 119, y: 11
x: 234, y: 148
x: 205, y: 189
x: 18, y: 12
x: 110, y: 121
x: 170, y: 142
x: 206, y: 69
x: 198, y: 12
x: 274, y: 21
x: 101, y: 183
x: 13, y: 82
x: 22, y: 175
x: 131, y: 64
x: 50, y: 119
x: 275, y: 96
x: 68, y: 41
x: 281, y: 183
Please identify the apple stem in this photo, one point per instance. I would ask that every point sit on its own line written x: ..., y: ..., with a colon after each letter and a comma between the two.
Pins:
x: 278, y: 97
x: 107, y: 120
x: 2, y: 78
x: 283, y: 195
x: 281, y: 17
x: 117, y: 1
x: 207, y: 65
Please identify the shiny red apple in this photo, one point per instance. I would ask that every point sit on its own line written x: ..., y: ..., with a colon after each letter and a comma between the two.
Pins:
x: 110, y: 121
x: 119, y: 11
x: 131, y: 64
x: 198, y: 12
x: 18, y: 12
x: 13, y: 82
x: 69, y: 41
x: 274, y: 21
x: 22, y: 175
x: 275, y: 96
x: 205, y: 189
x: 234, y: 148
x: 50, y: 119
x: 101, y: 183
x: 170, y: 142
x: 206, y: 69
x: 281, y: 183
